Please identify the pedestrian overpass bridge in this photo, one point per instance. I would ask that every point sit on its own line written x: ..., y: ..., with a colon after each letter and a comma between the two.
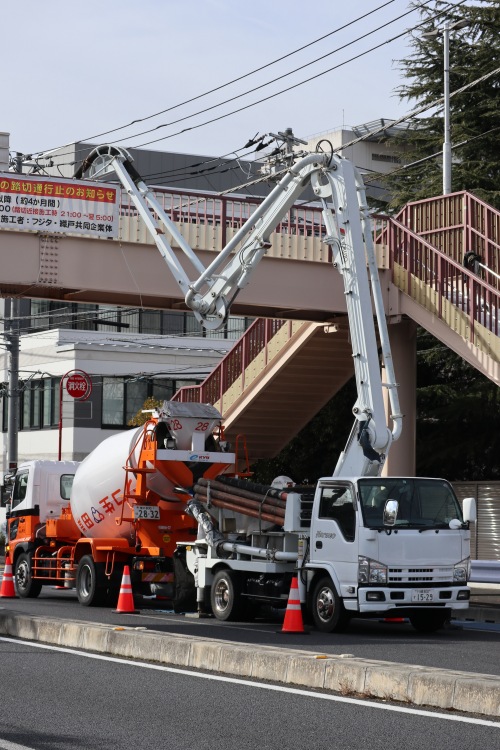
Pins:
x: 296, y: 356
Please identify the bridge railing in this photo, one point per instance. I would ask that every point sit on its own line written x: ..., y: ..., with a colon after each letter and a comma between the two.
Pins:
x: 208, y: 222
x: 441, y: 284
x: 456, y: 224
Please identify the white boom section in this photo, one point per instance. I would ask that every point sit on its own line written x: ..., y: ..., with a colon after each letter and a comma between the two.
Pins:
x: 340, y: 188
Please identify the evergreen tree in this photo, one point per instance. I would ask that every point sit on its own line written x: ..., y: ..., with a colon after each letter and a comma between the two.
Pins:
x: 458, y: 409
x: 475, y: 130
x: 458, y: 416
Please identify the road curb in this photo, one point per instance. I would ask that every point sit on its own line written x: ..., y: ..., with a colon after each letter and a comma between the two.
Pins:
x: 408, y: 683
x: 478, y: 614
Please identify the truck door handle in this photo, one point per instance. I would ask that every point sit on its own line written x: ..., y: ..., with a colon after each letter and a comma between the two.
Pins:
x: 319, y: 545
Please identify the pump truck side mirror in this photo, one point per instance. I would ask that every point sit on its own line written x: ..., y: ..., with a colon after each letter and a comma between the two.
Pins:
x: 469, y: 509
x: 391, y: 509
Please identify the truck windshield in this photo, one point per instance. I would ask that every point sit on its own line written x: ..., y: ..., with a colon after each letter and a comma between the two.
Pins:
x: 423, y: 503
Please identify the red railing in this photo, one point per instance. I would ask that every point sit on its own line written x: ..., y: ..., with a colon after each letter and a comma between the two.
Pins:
x: 422, y: 262
x: 200, y: 208
x: 428, y: 239
x: 456, y: 224
x: 254, y: 341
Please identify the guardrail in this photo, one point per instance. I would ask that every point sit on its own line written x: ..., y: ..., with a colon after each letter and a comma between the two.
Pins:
x: 485, y: 571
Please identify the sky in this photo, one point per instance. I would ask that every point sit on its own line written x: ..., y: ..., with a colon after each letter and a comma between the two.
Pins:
x: 80, y: 69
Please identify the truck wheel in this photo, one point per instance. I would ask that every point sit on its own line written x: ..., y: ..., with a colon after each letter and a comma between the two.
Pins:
x: 26, y: 586
x: 114, y: 586
x: 429, y: 622
x: 91, y: 585
x: 328, y: 611
x: 224, y: 596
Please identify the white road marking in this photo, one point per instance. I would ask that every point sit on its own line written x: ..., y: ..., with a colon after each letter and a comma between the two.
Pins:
x: 200, y: 621
x: 6, y: 745
x: 250, y: 683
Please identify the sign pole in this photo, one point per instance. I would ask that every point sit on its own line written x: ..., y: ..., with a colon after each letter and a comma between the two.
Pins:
x: 79, y: 387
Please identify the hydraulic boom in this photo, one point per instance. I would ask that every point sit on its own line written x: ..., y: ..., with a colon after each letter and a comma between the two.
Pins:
x: 340, y: 190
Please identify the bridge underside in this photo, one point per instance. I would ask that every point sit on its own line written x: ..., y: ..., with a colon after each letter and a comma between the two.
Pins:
x: 134, y: 275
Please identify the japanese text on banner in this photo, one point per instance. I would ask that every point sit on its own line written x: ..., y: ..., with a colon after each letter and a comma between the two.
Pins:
x: 58, y: 206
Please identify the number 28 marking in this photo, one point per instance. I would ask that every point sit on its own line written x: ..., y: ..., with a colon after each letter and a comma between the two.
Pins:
x: 201, y: 427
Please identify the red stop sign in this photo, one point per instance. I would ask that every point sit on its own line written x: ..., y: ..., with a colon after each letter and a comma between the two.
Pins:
x: 79, y: 386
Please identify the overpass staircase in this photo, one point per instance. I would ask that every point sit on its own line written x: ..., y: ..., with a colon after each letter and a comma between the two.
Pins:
x: 281, y: 372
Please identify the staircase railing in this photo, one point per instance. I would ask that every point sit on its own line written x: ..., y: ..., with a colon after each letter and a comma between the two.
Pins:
x: 456, y: 224
x: 426, y: 244
x: 441, y: 284
x: 255, y: 343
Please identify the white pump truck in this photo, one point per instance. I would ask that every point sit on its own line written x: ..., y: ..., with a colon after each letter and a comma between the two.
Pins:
x: 360, y: 544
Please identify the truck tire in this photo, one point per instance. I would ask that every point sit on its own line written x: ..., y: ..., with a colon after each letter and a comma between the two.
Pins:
x: 26, y: 587
x: 225, y: 596
x: 91, y: 584
x: 114, y: 585
x: 328, y: 611
x: 429, y: 622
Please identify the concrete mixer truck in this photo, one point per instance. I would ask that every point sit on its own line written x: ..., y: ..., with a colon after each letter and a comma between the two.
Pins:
x: 77, y: 524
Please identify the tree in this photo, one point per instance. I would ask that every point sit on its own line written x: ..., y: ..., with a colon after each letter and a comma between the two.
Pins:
x: 458, y: 416
x: 141, y: 418
x: 475, y: 132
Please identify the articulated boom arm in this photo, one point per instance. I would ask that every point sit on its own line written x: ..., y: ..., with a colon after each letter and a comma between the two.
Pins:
x: 348, y: 225
x: 211, y: 294
x: 340, y: 189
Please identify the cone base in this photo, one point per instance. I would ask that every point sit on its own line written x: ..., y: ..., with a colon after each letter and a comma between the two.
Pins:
x: 293, y: 632
x: 126, y: 611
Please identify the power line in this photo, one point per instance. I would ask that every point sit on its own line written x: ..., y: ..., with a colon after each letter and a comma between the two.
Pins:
x: 281, y: 77
x: 229, y: 83
x: 289, y: 88
x: 440, y: 13
x: 403, y: 167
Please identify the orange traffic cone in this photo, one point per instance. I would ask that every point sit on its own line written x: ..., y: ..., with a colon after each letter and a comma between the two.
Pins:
x: 7, y: 590
x: 126, y: 598
x: 293, y: 616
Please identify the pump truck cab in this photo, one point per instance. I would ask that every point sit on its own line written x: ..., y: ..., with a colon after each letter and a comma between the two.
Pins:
x: 361, y: 544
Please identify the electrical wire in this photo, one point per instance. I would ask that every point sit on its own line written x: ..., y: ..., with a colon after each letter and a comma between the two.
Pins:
x: 305, y: 81
x: 437, y: 15
x: 228, y: 83
x: 284, y: 75
x: 392, y: 124
x: 279, y: 93
x: 285, y: 90
x: 438, y: 154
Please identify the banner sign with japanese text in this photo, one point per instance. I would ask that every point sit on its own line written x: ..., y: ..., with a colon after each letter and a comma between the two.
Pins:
x: 54, y: 206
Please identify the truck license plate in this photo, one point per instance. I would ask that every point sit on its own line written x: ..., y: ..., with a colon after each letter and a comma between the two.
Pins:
x: 422, y: 595
x: 147, y: 512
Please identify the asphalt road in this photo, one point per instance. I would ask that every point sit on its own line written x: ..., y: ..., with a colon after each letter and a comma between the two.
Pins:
x: 474, y: 649
x: 56, y: 699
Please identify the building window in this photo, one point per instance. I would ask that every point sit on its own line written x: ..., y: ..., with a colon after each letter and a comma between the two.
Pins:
x: 386, y: 157
x: 122, y: 398
x: 38, y: 405
x: 105, y: 318
x: 113, y: 402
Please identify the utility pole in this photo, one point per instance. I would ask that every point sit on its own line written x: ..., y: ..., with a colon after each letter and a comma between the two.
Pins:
x: 445, y: 33
x: 12, y: 343
x: 12, y: 338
